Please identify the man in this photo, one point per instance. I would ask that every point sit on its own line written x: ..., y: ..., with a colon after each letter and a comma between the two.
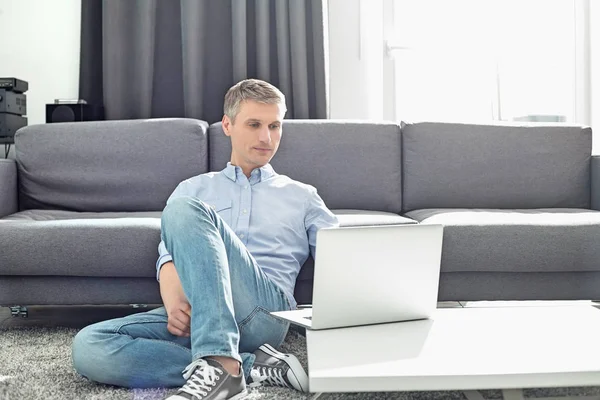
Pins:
x: 232, y: 245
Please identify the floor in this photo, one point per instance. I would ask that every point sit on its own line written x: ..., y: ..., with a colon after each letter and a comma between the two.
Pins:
x: 80, y: 316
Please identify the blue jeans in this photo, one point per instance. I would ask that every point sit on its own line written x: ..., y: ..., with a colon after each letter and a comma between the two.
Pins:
x: 229, y: 294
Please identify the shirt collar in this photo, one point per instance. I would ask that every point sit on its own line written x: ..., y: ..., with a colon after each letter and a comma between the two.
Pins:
x: 262, y: 173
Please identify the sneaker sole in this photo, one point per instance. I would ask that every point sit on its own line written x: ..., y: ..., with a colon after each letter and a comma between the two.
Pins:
x: 299, y: 382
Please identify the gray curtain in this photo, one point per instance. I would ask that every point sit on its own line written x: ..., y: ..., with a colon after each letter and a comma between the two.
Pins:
x: 177, y: 58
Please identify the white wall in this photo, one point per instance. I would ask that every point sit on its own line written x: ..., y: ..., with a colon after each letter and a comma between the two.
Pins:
x: 347, y: 92
x: 39, y: 43
x: 358, y: 69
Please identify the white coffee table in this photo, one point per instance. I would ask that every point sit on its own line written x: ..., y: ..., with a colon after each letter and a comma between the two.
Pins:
x: 465, y: 349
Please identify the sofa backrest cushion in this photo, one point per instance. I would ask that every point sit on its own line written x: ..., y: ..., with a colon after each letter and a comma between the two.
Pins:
x: 354, y: 165
x: 131, y: 165
x: 509, y: 165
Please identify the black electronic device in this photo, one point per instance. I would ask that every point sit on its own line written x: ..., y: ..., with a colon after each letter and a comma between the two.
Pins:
x: 14, y: 85
x: 10, y: 124
x: 73, y: 112
x: 13, y: 103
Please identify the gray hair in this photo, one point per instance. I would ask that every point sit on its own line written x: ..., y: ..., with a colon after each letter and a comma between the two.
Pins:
x: 253, y: 90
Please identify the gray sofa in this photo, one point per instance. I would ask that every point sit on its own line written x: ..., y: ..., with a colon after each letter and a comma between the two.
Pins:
x: 80, y: 203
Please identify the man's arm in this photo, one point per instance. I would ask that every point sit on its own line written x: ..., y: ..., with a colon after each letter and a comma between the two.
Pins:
x: 183, y: 189
x: 318, y: 216
x: 171, y: 291
x: 177, y: 306
x: 163, y: 258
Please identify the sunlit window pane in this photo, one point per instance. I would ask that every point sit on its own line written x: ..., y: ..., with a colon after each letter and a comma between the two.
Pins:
x: 471, y: 60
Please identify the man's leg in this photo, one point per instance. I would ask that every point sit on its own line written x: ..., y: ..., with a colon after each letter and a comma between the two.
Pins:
x: 138, y: 351
x: 230, y: 295
x: 227, y: 291
x: 134, y: 351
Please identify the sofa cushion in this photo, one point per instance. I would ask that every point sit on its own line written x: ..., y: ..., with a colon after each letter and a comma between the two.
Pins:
x: 367, y: 218
x: 353, y: 165
x: 108, y: 165
x: 450, y: 165
x: 8, y: 187
x: 46, y: 242
x: 541, y: 240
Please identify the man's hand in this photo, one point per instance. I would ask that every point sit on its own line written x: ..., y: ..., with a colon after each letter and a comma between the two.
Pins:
x: 178, y: 309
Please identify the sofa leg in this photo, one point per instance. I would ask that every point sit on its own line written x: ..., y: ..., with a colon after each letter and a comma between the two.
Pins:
x: 19, y: 311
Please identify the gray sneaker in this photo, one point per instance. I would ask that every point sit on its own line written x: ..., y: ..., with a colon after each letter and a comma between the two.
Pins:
x: 273, y: 368
x: 208, y: 380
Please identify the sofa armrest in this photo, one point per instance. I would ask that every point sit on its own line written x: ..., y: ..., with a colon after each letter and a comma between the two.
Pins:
x: 8, y: 187
x: 595, y: 167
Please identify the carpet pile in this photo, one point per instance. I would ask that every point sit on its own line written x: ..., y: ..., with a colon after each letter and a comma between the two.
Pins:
x: 35, y: 363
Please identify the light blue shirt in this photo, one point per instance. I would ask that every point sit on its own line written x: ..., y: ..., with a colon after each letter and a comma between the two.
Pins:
x: 275, y: 217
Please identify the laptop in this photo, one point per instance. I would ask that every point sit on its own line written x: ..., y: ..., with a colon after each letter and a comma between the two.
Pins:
x: 372, y: 274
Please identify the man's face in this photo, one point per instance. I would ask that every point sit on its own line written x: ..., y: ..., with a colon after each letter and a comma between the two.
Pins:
x: 255, y: 134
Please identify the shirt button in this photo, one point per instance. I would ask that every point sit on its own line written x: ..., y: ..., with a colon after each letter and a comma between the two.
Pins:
x: 242, y: 235
x: 245, y: 211
x: 245, y: 187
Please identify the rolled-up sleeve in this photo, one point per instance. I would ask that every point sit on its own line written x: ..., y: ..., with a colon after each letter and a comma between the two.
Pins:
x: 318, y: 216
x: 163, y: 257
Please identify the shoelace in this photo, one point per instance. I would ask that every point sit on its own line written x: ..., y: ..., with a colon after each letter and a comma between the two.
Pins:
x: 201, y: 378
x: 271, y: 376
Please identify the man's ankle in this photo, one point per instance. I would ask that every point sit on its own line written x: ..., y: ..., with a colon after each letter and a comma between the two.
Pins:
x: 231, y: 365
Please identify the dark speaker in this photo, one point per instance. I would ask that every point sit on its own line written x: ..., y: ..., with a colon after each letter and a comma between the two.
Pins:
x: 10, y: 124
x: 13, y: 103
x: 73, y: 113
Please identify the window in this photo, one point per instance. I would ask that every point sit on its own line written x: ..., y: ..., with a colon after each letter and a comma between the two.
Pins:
x: 473, y: 60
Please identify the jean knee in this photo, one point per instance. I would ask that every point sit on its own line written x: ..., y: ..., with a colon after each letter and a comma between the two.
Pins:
x: 261, y: 327
x: 182, y: 211
x: 82, y: 351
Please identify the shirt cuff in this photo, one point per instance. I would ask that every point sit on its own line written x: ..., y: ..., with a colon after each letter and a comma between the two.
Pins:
x: 161, y: 261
